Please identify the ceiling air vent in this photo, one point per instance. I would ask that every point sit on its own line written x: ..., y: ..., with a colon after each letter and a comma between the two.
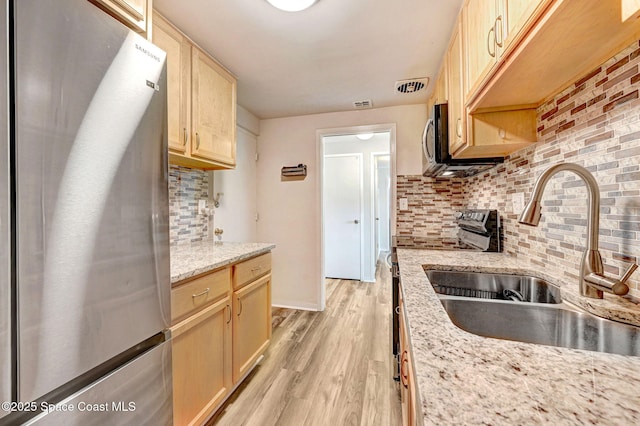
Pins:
x: 363, y: 104
x: 412, y: 85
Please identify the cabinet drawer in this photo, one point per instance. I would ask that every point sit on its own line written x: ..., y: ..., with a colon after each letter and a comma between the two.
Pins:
x: 251, y: 269
x: 198, y: 293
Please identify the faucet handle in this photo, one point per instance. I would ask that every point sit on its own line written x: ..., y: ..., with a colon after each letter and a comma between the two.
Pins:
x: 611, y: 285
x: 621, y: 288
x: 632, y: 268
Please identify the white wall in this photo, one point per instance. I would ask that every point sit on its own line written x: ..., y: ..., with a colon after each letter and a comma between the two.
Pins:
x: 237, y: 212
x: 349, y: 145
x: 289, y: 211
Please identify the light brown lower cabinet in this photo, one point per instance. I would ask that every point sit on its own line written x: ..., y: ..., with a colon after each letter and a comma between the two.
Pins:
x: 223, y: 330
x: 251, y: 324
x: 201, y: 363
x: 408, y: 392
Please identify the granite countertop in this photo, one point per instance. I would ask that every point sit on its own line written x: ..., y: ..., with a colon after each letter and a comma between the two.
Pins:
x: 189, y: 260
x: 463, y: 378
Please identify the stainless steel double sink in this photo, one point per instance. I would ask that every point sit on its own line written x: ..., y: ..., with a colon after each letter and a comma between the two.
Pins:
x: 527, y: 309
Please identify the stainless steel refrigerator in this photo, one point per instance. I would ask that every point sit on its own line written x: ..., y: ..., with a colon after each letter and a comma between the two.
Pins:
x: 84, y: 234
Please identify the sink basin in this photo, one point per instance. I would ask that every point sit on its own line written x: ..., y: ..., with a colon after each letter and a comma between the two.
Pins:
x: 493, y: 286
x: 554, y: 325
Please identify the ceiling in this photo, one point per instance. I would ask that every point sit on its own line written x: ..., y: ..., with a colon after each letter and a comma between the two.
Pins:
x: 324, y: 58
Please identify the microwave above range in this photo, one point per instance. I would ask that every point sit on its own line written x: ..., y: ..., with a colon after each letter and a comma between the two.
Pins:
x: 436, y: 160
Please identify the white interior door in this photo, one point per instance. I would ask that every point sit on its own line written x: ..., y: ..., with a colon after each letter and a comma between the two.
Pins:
x: 343, y: 216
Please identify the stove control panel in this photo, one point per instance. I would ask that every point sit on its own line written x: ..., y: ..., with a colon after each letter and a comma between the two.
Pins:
x: 479, y: 228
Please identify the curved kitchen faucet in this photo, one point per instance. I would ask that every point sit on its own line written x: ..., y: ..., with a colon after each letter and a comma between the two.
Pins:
x: 592, y: 279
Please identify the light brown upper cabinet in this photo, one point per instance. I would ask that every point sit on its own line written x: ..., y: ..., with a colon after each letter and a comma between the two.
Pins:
x: 457, y: 115
x: 201, y: 105
x: 178, y: 51
x: 441, y: 84
x: 490, y: 28
x: 133, y: 13
x: 479, y: 18
x: 514, y: 17
x: 517, y: 54
x: 213, y: 114
x: 489, y: 133
x: 439, y: 94
x: 550, y: 44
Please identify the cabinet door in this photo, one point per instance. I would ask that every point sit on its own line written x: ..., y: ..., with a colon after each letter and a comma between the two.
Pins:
x: 251, y: 324
x: 441, y: 85
x: 178, y: 51
x: 515, y: 16
x: 213, y: 111
x: 133, y: 13
x: 404, y: 373
x: 456, y: 104
x: 407, y: 392
x: 479, y: 19
x: 201, y: 363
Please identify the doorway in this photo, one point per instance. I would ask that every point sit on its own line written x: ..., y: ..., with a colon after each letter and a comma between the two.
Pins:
x: 355, y: 229
x: 382, y: 204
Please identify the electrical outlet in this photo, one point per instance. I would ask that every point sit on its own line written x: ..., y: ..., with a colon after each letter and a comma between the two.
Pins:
x: 202, y: 204
x: 404, y: 204
x: 518, y: 202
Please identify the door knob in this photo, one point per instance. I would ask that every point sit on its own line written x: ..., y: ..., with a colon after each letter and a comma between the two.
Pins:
x: 356, y: 221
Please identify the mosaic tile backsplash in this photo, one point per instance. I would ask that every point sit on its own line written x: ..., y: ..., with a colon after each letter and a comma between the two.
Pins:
x: 595, y: 123
x: 432, y: 203
x: 186, y: 188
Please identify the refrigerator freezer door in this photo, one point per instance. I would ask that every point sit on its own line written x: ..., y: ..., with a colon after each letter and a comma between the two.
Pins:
x: 92, y: 197
x: 5, y: 277
x: 139, y: 393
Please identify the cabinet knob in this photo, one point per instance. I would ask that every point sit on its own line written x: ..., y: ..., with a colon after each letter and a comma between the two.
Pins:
x: 184, y: 141
x: 197, y: 140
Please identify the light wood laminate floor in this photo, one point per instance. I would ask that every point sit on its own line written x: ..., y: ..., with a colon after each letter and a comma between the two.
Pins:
x: 325, y: 368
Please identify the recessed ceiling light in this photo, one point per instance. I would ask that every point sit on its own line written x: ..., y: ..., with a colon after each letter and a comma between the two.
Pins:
x: 364, y: 136
x: 292, y: 5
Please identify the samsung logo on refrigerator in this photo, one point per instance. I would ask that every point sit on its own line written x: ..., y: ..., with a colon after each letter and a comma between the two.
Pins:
x: 148, y: 53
